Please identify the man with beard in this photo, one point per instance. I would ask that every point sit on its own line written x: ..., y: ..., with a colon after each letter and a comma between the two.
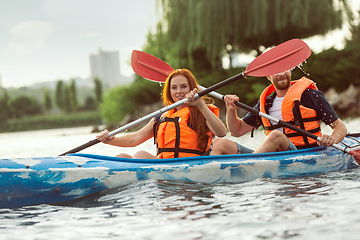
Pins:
x: 299, y: 103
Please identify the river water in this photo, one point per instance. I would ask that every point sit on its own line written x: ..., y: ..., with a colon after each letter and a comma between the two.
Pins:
x: 325, y: 206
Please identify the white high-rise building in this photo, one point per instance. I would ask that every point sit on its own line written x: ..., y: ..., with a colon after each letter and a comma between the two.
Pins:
x: 105, y: 66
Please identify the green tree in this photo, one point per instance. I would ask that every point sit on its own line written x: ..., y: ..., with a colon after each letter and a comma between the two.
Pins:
x: 90, y: 103
x: 47, y: 103
x: 204, y: 29
x: 73, y: 95
x: 159, y: 45
x: 115, y: 105
x: 98, y: 90
x: 120, y: 101
x: 62, y: 96
x: 337, y: 68
x: 24, y: 105
x: 66, y: 98
x: 355, y: 34
x: 4, y: 108
x: 59, y: 97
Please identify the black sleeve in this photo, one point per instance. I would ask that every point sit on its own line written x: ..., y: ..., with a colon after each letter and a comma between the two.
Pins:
x: 251, y: 118
x: 316, y: 100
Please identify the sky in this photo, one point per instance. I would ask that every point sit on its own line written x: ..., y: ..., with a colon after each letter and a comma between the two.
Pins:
x: 49, y: 40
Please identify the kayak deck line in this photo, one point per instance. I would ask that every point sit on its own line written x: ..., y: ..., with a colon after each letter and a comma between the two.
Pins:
x: 171, y: 160
x: 29, y: 181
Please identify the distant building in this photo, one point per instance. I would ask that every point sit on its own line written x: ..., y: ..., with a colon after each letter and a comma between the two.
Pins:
x: 105, y: 66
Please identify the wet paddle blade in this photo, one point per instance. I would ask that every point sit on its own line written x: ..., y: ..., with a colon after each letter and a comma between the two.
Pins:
x: 150, y: 67
x: 356, y: 155
x: 279, y: 59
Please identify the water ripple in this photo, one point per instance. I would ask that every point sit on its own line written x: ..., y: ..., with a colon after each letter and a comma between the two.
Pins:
x: 324, y: 206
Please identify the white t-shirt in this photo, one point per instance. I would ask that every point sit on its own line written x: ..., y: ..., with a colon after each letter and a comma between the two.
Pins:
x: 275, y: 111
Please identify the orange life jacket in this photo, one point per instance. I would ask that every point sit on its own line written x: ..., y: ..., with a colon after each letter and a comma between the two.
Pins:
x: 295, y: 113
x: 175, y: 138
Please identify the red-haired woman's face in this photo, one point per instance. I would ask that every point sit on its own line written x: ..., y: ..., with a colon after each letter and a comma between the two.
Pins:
x: 179, y: 87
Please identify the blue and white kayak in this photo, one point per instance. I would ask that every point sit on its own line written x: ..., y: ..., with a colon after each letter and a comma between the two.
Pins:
x: 30, y: 181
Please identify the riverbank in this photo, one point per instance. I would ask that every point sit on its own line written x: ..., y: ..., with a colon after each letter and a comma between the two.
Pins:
x: 346, y: 103
x: 78, y: 119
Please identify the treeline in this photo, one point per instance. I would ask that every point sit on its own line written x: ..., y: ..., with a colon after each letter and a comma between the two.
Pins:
x: 25, y: 109
x: 66, y: 97
x: 77, y: 119
x: 337, y: 68
x: 198, y: 35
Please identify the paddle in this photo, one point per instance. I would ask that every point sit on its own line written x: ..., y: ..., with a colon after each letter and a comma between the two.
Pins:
x: 157, y: 70
x: 279, y: 59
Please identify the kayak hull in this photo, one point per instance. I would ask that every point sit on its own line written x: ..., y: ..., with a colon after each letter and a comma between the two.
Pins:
x: 29, y: 181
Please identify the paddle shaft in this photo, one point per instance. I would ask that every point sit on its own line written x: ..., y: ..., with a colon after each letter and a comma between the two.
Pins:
x: 280, y: 122
x: 279, y: 59
x: 158, y: 112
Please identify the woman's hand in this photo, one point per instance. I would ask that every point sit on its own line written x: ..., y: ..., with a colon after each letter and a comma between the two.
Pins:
x: 191, y: 97
x: 103, y: 136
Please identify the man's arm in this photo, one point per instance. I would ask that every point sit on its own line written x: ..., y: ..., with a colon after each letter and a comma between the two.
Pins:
x: 237, y: 127
x: 316, y: 99
x: 338, y: 133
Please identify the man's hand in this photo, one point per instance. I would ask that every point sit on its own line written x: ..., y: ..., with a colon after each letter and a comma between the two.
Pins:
x: 326, y: 140
x: 230, y: 102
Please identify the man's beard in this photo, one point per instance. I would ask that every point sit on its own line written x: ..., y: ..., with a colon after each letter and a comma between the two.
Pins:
x: 282, y: 85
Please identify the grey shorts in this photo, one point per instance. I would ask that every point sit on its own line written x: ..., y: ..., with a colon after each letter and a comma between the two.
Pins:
x: 292, y: 147
x: 243, y: 150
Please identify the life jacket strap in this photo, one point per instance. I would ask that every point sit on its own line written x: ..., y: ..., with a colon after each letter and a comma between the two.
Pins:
x: 257, y: 125
x: 176, y: 150
x: 299, y: 122
x: 177, y: 135
x: 297, y: 134
x: 275, y: 126
x: 183, y: 150
x: 308, y: 146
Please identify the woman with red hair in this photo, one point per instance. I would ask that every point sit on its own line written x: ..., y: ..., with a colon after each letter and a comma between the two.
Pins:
x: 184, y: 131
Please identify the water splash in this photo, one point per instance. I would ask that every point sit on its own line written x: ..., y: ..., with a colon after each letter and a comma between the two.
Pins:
x: 300, y: 66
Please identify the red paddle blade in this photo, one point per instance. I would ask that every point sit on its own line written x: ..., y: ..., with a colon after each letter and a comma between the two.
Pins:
x: 356, y: 155
x: 150, y: 67
x: 279, y: 59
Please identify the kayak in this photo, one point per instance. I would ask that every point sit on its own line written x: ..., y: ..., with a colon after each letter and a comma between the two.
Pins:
x: 30, y: 181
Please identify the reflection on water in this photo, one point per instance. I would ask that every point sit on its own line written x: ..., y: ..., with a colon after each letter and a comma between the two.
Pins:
x: 193, y: 198
x: 260, y: 209
x: 301, y: 187
x: 52, y: 142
